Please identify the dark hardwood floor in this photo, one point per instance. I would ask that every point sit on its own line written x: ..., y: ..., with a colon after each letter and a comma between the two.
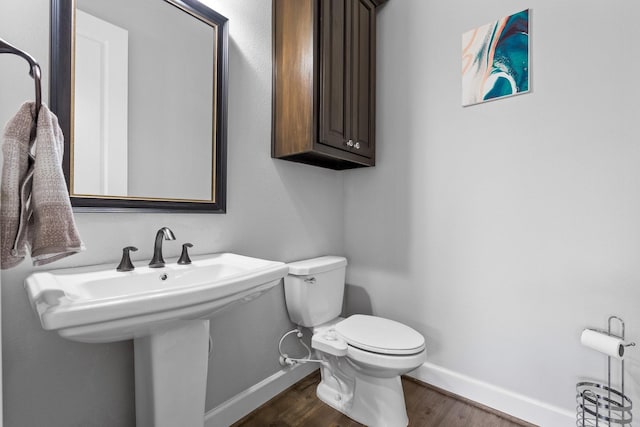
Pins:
x: 427, y: 406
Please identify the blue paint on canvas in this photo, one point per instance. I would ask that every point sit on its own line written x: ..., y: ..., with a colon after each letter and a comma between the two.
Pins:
x: 495, y: 59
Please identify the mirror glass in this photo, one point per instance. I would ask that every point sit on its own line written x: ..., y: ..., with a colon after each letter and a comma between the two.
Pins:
x: 146, y: 117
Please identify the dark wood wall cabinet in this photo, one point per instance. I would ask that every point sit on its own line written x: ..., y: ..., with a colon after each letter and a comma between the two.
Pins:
x: 324, y: 78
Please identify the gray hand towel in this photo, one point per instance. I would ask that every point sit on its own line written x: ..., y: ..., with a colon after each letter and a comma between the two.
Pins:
x: 44, y: 220
x: 16, y: 171
x: 54, y: 234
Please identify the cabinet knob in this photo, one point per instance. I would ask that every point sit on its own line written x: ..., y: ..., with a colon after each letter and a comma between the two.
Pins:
x: 350, y: 143
x: 357, y: 145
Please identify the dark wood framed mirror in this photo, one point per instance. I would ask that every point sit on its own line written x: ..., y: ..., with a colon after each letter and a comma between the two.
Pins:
x: 150, y: 132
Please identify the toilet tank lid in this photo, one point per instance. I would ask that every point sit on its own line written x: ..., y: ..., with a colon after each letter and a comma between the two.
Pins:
x: 317, y: 265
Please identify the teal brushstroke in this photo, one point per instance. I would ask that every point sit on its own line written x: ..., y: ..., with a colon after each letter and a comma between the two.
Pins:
x: 502, y: 87
x: 511, y: 57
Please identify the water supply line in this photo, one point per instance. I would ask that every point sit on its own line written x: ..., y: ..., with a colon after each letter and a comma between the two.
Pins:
x: 285, y: 360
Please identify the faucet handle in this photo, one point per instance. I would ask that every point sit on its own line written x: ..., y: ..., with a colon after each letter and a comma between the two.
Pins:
x: 125, y: 262
x: 184, y: 257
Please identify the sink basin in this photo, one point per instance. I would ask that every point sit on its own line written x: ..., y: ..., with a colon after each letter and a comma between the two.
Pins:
x: 164, y: 310
x: 100, y: 304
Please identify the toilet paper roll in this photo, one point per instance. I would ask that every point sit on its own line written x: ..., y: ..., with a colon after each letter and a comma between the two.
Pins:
x: 604, y: 343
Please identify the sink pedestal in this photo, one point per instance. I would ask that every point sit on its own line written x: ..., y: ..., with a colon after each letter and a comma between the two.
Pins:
x: 171, y: 375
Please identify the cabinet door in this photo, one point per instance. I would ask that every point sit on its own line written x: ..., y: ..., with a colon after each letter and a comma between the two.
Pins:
x: 363, y: 35
x: 335, y: 89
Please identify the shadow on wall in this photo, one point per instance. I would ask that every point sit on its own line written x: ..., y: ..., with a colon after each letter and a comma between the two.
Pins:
x: 356, y: 301
x: 383, y: 202
x: 316, y: 199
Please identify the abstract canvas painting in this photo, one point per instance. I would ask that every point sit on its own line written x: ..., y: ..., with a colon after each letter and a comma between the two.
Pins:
x: 495, y: 59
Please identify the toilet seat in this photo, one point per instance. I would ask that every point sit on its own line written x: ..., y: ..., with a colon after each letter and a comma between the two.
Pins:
x: 385, y: 365
x: 379, y: 335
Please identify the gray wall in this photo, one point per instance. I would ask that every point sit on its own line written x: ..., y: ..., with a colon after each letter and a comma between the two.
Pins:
x: 501, y: 230
x: 276, y: 210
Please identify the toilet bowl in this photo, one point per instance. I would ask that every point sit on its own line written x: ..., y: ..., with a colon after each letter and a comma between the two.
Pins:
x: 362, y: 356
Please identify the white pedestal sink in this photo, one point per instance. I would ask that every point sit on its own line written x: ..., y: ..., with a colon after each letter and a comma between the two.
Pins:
x: 163, y: 310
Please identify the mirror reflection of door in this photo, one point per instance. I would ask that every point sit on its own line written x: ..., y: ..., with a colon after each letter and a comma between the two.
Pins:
x: 144, y: 115
x: 101, y: 107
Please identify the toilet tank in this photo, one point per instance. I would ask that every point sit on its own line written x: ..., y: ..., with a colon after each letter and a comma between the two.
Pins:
x: 314, y: 290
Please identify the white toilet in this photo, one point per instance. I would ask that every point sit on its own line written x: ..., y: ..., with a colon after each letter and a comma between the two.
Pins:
x: 363, y: 356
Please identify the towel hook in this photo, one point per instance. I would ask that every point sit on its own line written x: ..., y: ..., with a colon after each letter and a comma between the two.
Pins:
x: 34, y: 71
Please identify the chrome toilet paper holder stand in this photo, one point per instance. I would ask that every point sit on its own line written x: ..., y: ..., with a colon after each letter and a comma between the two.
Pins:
x: 600, y: 404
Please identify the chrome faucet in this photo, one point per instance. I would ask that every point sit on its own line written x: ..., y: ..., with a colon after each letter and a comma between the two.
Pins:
x: 163, y: 234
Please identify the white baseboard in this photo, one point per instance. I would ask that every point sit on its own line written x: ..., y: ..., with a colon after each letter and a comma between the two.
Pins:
x: 514, y: 404
x: 250, y: 399
x: 503, y: 400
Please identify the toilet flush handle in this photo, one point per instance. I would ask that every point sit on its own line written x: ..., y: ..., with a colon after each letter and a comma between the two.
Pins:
x: 310, y: 280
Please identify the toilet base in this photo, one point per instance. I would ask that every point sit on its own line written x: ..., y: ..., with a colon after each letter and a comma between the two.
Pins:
x: 374, y: 402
